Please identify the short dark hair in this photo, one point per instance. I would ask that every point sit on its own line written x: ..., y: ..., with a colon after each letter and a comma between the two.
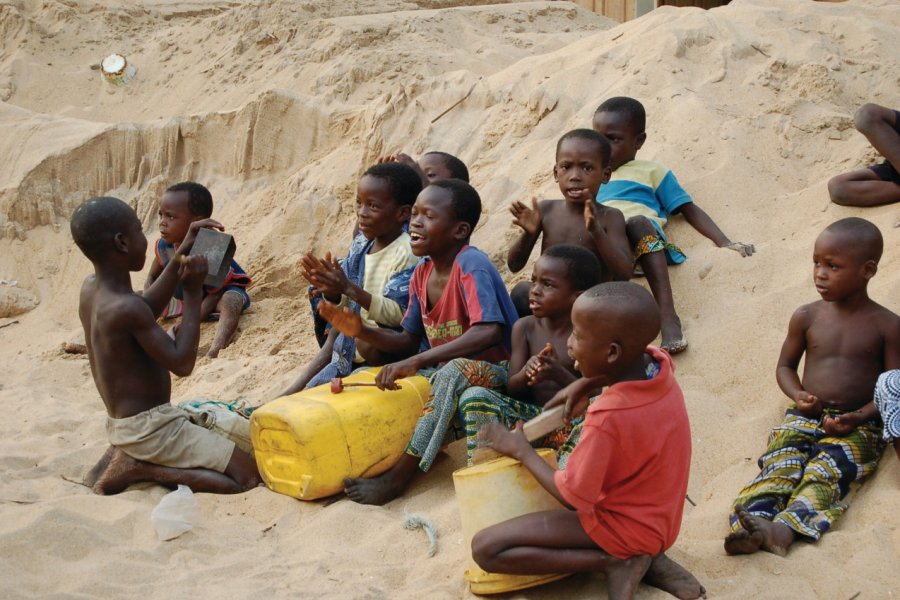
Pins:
x: 631, y: 108
x: 403, y: 180
x: 583, y: 268
x: 629, y: 309
x: 868, y: 241
x: 457, y: 168
x: 200, y: 202
x: 466, y: 201
x: 591, y: 136
x: 96, y: 222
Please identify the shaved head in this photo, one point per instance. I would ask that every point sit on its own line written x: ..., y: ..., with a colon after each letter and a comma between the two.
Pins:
x: 96, y: 222
x: 864, y: 239
x: 626, y: 309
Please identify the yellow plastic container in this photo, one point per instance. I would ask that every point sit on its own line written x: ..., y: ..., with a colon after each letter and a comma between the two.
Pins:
x: 307, y: 443
x: 493, y: 492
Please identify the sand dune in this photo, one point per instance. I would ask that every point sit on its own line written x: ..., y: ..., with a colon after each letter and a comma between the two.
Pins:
x: 279, y: 106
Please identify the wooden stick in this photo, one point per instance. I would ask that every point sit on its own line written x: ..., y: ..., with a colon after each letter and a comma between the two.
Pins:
x: 534, y: 429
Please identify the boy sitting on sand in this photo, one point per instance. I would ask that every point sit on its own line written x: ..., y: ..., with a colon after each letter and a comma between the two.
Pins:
x: 373, y: 280
x: 131, y: 357
x: 181, y: 205
x: 540, y: 365
x: 626, y: 479
x: 581, y: 167
x: 457, y: 301
x: 878, y: 184
x: 830, y: 434
x: 647, y: 193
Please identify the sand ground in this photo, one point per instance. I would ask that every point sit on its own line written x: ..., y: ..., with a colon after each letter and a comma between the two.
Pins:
x: 278, y: 107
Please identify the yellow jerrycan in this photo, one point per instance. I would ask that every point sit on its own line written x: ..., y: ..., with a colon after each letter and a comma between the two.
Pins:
x: 493, y: 492
x: 307, y: 443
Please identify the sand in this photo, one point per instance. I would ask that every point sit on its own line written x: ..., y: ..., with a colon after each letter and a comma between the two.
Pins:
x: 278, y: 107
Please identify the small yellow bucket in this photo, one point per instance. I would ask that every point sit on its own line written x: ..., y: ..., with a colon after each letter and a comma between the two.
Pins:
x: 493, y: 492
x: 307, y: 443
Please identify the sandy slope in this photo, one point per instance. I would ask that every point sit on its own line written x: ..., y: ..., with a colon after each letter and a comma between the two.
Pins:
x: 278, y: 106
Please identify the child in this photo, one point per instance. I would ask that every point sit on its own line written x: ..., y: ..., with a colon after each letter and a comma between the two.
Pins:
x: 646, y: 193
x: 582, y: 165
x: 626, y: 480
x: 433, y: 166
x: 457, y: 301
x: 131, y: 357
x: 373, y: 279
x: 539, y: 366
x: 830, y: 434
x: 181, y: 205
x: 879, y: 184
x: 887, y: 401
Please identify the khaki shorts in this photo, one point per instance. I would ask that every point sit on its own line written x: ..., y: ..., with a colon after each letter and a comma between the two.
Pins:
x: 165, y: 435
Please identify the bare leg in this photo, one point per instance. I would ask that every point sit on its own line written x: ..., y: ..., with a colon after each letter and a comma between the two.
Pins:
x: 877, y: 124
x: 667, y: 575
x: 229, y: 307
x: 897, y: 447
x: 387, y: 486
x: 94, y: 474
x: 554, y: 542
x: 862, y: 188
x: 656, y: 270
x: 758, y: 534
x: 124, y: 470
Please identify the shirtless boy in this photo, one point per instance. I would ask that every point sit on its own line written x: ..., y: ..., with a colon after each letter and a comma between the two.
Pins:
x: 830, y: 435
x: 540, y: 365
x: 625, y: 482
x: 131, y: 356
x: 581, y: 167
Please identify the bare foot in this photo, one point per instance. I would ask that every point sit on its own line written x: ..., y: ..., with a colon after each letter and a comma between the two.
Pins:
x: 121, y: 471
x: 386, y: 486
x: 673, y: 340
x: 379, y: 490
x: 758, y: 534
x: 667, y: 575
x: 622, y: 579
x: 94, y: 474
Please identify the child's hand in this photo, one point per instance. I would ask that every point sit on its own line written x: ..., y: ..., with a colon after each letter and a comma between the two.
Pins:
x: 193, y: 271
x: 741, y: 248
x: 841, y: 425
x: 344, y: 320
x: 389, y: 374
x: 575, y: 396
x: 325, y: 274
x: 591, y: 223
x: 542, y: 366
x: 809, y: 405
x: 495, y: 436
x: 191, y: 234
x: 528, y: 219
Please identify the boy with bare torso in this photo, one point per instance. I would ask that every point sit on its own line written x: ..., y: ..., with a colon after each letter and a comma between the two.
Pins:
x: 131, y: 356
x: 581, y: 167
x: 830, y: 436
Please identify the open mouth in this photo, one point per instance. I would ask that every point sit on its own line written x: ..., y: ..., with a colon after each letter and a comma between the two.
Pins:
x: 415, y: 237
x: 579, y: 193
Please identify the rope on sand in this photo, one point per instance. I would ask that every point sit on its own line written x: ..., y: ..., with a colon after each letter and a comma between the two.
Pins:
x: 413, y: 522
